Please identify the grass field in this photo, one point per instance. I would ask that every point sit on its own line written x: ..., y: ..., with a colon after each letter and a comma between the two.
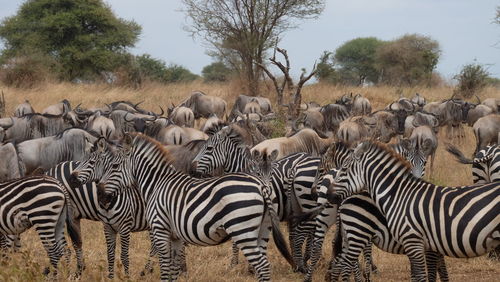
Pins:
x: 212, y: 263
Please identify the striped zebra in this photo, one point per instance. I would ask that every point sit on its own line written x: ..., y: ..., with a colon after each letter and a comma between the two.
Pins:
x: 485, y: 165
x: 327, y: 214
x: 123, y: 215
x: 360, y: 223
x: 485, y: 169
x: 39, y: 202
x: 452, y: 221
x: 180, y: 208
x: 226, y: 149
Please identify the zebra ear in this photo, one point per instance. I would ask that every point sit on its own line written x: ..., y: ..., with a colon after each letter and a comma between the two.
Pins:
x: 407, y: 144
x: 360, y: 150
x: 101, y: 144
x: 127, y: 142
x: 273, y: 156
x: 256, y: 154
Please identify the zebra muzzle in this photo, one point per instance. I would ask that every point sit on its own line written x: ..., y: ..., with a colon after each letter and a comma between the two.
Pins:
x: 103, y: 197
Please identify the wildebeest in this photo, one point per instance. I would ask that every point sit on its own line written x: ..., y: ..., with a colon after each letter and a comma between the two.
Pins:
x: 36, y: 125
x: 102, y: 125
x: 9, y: 165
x: 204, y: 105
x: 418, y: 100
x: 486, y: 130
x: 493, y: 103
x: 213, y: 119
x: 310, y: 119
x: 333, y: 115
x: 477, y: 112
x: 306, y: 140
x: 418, y: 119
x: 258, y: 104
x: 72, y: 144
x: 60, y: 108
x: 426, y: 141
x: 185, y: 154
x: 449, y: 113
x: 23, y: 109
x: 388, y: 124
x: 176, y: 135
x: 181, y: 116
x: 361, y: 105
x: 353, y: 131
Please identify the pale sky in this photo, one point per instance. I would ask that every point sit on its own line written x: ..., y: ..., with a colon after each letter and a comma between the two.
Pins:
x: 464, y: 29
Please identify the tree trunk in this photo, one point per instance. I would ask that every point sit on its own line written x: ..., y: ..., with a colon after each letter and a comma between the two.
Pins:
x: 2, y: 106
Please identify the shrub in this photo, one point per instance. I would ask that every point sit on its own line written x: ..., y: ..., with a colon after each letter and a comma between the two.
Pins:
x: 216, y: 71
x: 471, y: 80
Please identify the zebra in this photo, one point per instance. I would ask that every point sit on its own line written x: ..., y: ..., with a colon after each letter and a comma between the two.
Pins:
x: 485, y: 165
x: 226, y: 149
x: 420, y: 215
x: 360, y: 223
x: 39, y: 202
x: 408, y: 150
x: 485, y: 169
x: 123, y: 215
x: 177, y: 205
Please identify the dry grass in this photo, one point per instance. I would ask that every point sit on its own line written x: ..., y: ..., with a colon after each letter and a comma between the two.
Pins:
x: 212, y: 264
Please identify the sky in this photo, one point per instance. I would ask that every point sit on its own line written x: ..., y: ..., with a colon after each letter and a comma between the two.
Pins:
x: 463, y: 28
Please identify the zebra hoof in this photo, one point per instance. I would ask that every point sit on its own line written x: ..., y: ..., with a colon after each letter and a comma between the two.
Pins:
x: 300, y: 269
x: 146, y: 271
x: 46, y: 271
x: 111, y: 275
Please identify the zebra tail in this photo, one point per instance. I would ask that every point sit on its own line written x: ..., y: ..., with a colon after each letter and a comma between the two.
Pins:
x: 458, y: 155
x: 73, y: 231
x: 337, y: 245
x: 306, y: 216
x: 278, y: 237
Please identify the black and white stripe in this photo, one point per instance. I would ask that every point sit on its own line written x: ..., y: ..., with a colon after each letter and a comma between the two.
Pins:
x: 360, y: 223
x: 123, y: 215
x: 293, y: 174
x: 180, y: 208
x: 39, y: 202
x: 453, y: 221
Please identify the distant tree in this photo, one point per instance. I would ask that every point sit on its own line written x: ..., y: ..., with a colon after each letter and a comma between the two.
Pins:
x: 471, y: 80
x: 151, y: 68
x: 241, y: 31
x: 325, y: 70
x: 178, y: 73
x: 84, y: 37
x: 408, y: 60
x: 357, y: 58
x: 216, y: 71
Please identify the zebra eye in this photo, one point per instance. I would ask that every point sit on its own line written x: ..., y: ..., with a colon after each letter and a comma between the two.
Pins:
x: 115, y: 166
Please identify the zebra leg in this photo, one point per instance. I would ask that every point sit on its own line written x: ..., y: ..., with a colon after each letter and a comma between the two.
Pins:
x: 296, y: 246
x: 495, y: 254
x: 369, y: 265
x: 248, y: 243
x: 441, y: 268
x: 235, y: 253
x: 323, y: 222
x: 415, y: 252
x: 110, y: 235
x: 162, y: 241
x: 54, y: 248
x: 80, y: 263
x: 178, y: 255
x: 148, y: 268
x: 125, y: 242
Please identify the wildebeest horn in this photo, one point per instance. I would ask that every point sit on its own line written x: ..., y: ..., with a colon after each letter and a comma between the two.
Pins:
x: 261, y: 117
x: 478, y: 100
x: 125, y: 117
x: 135, y: 106
x: 9, y: 126
x: 162, y: 112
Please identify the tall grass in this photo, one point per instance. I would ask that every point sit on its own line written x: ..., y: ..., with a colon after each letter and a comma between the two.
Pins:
x: 212, y: 263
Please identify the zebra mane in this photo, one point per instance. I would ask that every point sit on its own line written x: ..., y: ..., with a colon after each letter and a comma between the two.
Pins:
x: 387, y: 149
x: 140, y: 139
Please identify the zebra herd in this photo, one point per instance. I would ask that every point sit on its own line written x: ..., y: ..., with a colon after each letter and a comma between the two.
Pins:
x: 371, y: 192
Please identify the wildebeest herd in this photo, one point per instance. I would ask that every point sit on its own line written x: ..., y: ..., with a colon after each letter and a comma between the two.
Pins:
x: 200, y: 174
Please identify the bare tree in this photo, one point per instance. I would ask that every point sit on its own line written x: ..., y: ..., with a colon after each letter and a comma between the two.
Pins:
x: 293, y: 90
x: 241, y: 31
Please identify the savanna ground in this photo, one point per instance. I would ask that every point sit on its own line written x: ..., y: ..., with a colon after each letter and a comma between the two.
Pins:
x: 212, y: 263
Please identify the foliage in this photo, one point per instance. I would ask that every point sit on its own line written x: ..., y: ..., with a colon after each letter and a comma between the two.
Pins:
x: 83, y: 36
x: 153, y: 69
x: 216, y: 71
x: 471, y: 80
x: 356, y: 60
x: 241, y: 31
x: 178, y: 73
x: 326, y: 69
x: 408, y: 60
x: 27, y: 70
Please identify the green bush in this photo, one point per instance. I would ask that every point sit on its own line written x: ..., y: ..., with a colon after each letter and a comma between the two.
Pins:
x: 216, y: 71
x: 471, y: 80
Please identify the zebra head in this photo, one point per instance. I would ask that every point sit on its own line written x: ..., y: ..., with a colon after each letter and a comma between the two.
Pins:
x: 224, y: 149
x: 415, y: 156
x: 347, y: 180
x: 95, y: 166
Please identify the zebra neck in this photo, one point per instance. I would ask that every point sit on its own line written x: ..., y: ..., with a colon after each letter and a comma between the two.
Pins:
x: 237, y: 161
